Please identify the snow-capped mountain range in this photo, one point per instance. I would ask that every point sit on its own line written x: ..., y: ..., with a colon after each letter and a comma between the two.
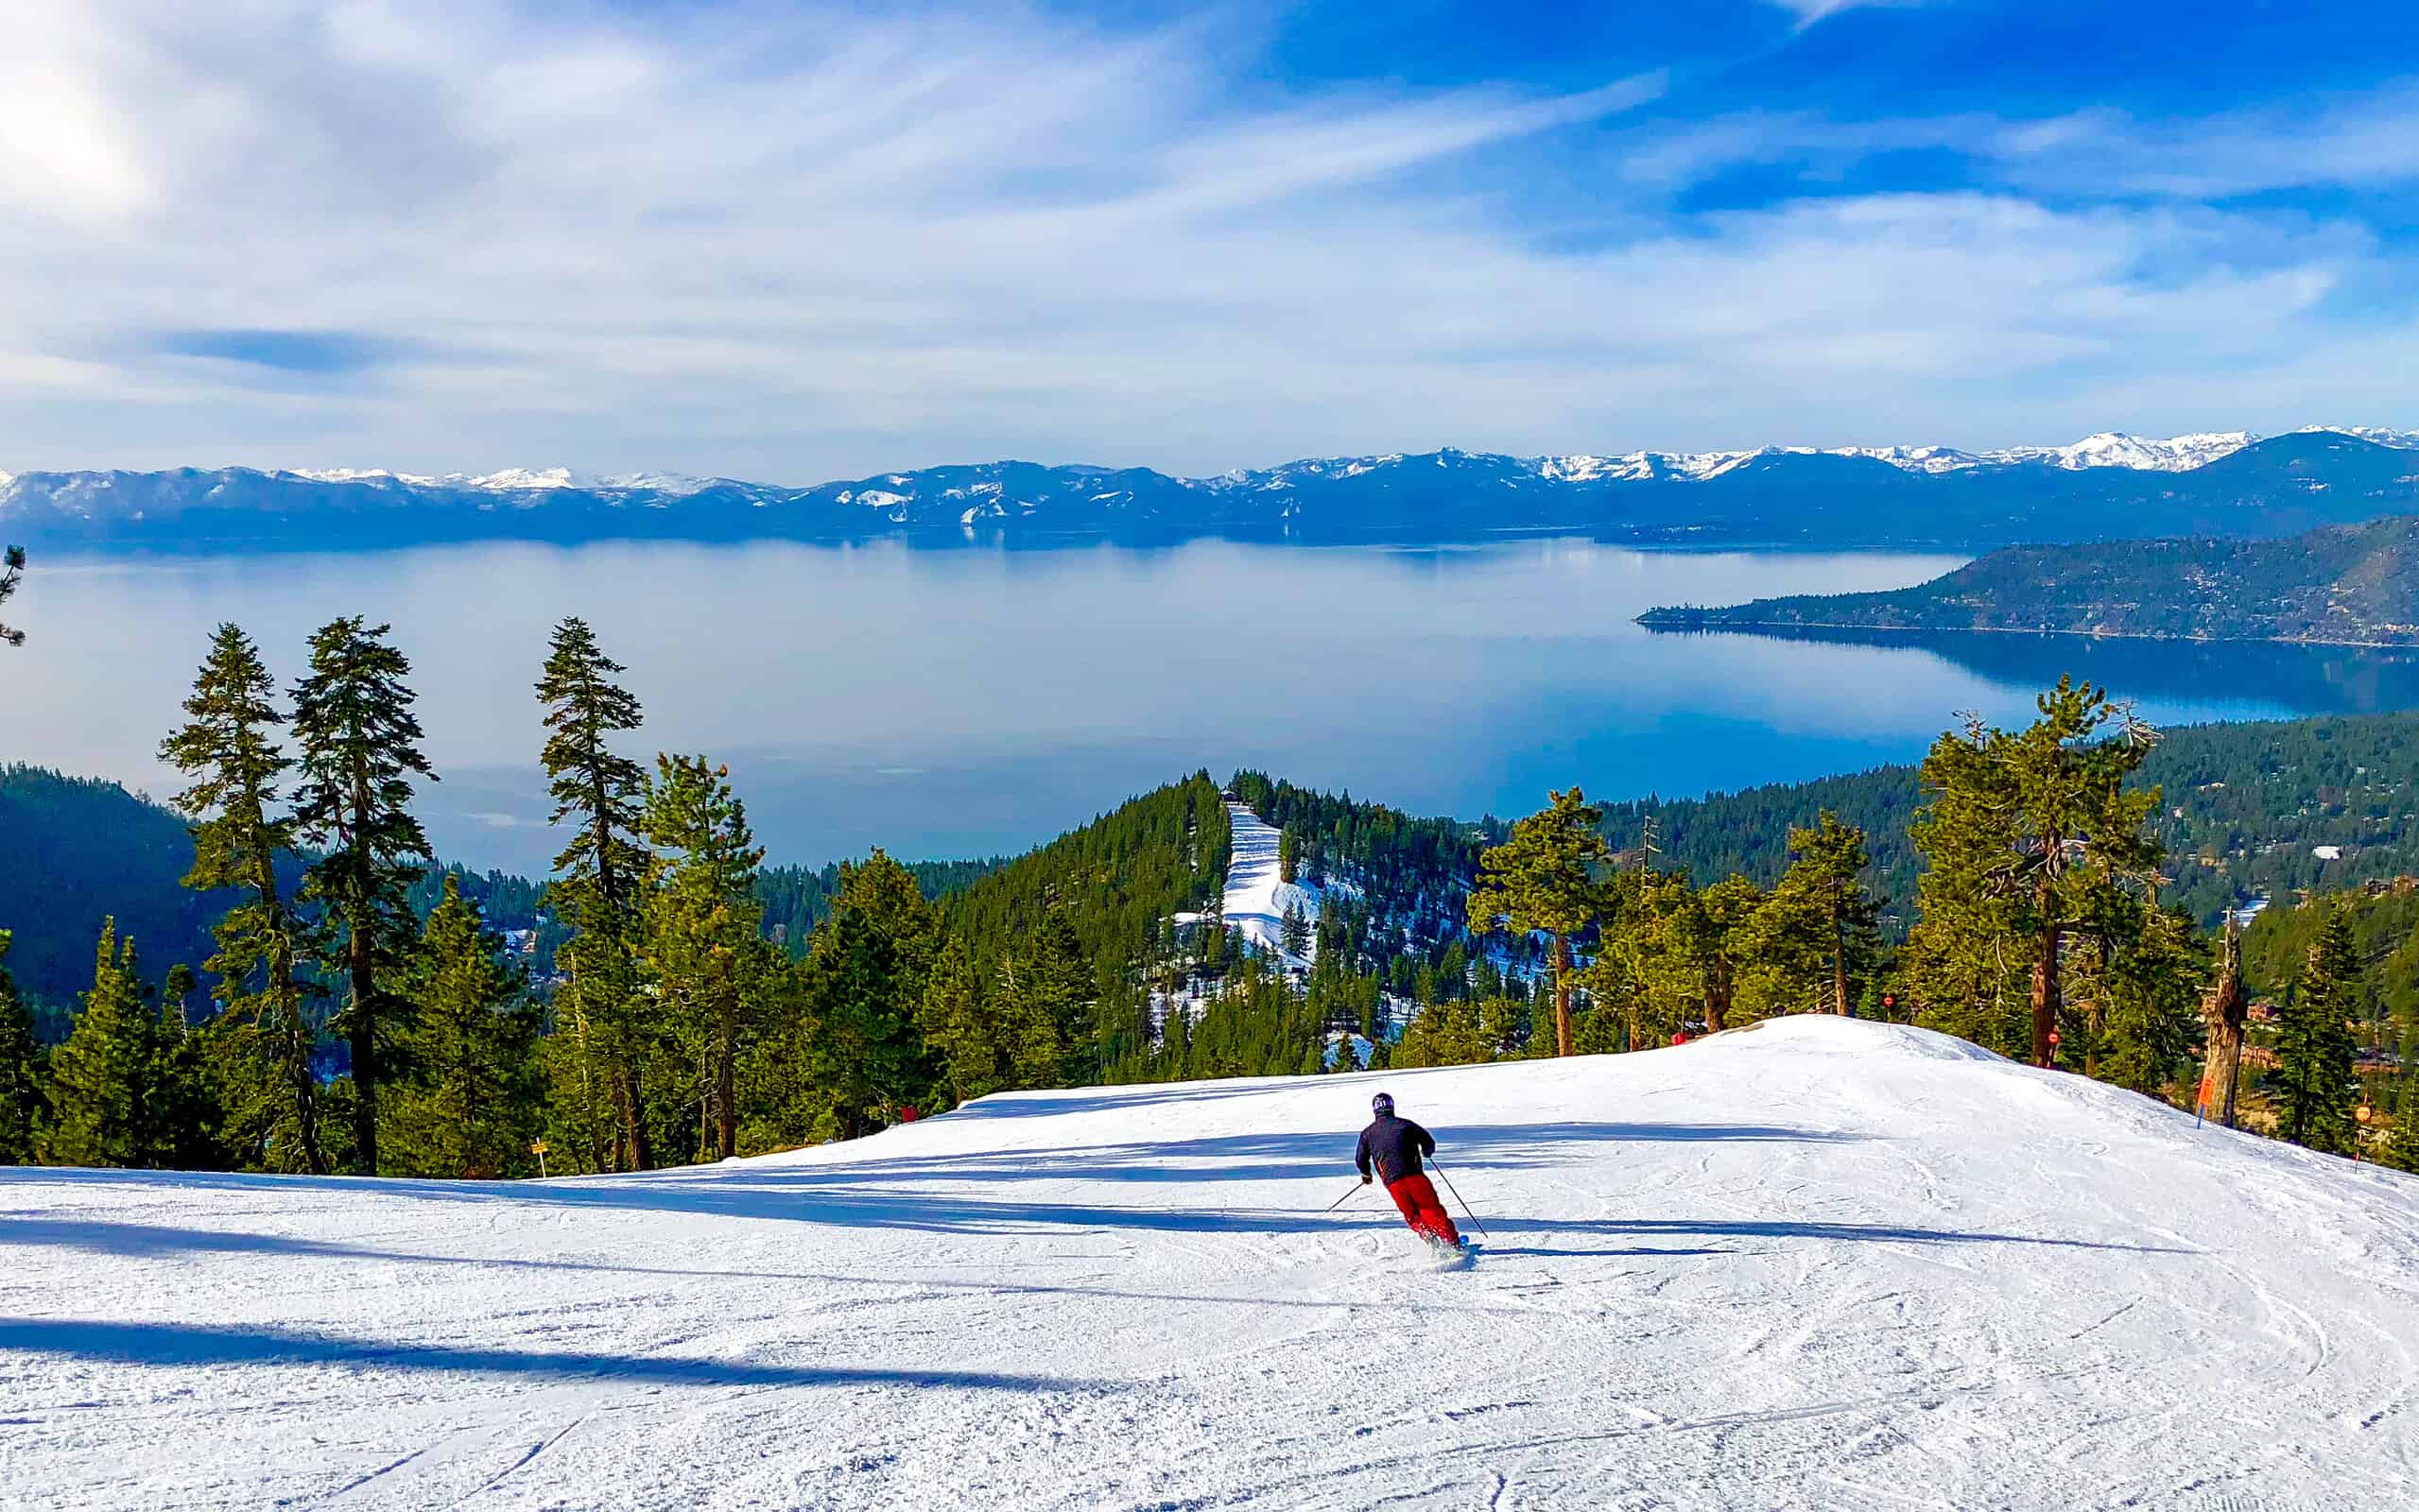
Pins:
x: 2229, y: 483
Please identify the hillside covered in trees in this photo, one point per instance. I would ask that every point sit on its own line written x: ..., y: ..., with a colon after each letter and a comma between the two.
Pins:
x: 2246, y: 811
x: 280, y: 976
x: 75, y: 851
x: 2352, y: 584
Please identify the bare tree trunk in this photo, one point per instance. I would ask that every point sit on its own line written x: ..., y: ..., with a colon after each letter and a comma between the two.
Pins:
x: 594, y: 1124
x: 2095, y: 1011
x: 365, y: 1028
x: 626, y: 1092
x: 2224, y: 1011
x: 1840, y: 960
x: 2044, y: 992
x: 1718, y: 996
x: 1561, y: 996
x: 726, y: 1098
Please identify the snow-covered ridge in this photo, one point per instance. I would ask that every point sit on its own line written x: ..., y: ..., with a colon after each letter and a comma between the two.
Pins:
x: 508, y: 480
x: 2108, y: 448
x: 2176, y: 453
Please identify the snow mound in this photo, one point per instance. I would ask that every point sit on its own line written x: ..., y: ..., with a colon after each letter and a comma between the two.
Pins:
x: 1810, y: 1264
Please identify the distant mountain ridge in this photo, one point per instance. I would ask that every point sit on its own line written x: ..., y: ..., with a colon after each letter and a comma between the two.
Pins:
x: 2351, y: 585
x: 2104, y: 487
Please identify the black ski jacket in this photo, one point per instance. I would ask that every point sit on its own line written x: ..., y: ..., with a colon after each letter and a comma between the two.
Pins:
x: 1396, y: 1144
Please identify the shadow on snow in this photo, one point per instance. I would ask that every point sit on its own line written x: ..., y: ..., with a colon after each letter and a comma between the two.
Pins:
x: 189, y: 1344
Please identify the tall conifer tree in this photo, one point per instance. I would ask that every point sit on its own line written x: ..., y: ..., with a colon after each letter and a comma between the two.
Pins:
x: 470, y: 1104
x: 21, y: 1099
x: 2152, y: 991
x: 866, y: 982
x: 706, y: 957
x: 101, y: 1078
x: 126, y: 1088
x: 360, y: 750
x: 1820, y: 913
x: 598, y: 796
x: 2315, y: 1083
x: 1543, y: 879
x: 2027, y: 835
x: 1040, y: 997
x: 229, y: 748
x: 964, y: 1031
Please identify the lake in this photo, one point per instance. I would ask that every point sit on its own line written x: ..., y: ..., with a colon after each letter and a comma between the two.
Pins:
x: 962, y: 702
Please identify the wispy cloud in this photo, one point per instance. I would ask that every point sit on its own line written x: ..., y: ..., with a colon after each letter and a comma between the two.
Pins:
x: 1810, y: 12
x: 747, y: 239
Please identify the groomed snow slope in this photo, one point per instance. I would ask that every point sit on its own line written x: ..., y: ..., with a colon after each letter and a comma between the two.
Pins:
x: 1810, y: 1265
x: 1255, y: 900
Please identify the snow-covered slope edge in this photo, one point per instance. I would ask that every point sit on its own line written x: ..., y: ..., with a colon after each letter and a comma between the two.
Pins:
x: 1813, y: 1264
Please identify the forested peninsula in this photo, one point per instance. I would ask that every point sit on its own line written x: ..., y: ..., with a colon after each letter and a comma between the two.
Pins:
x: 2348, y: 585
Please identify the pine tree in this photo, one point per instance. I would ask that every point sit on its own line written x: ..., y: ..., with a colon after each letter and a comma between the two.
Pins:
x: 1040, y: 998
x: 963, y: 1031
x: 12, y: 569
x: 601, y: 870
x: 1705, y: 934
x: 2153, y: 993
x: 1821, y: 923
x: 1445, y: 1034
x: 21, y: 1099
x: 360, y: 747
x: 229, y: 748
x: 126, y: 1088
x: 186, y: 1112
x: 866, y: 977
x: 470, y: 1106
x: 706, y: 960
x: 2315, y: 1082
x: 1293, y: 932
x: 2026, y: 835
x: 1542, y: 878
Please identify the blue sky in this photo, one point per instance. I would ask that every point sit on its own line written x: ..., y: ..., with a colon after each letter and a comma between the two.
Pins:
x: 803, y: 241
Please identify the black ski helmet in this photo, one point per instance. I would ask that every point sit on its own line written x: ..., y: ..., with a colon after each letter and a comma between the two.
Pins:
x: 1382, y: 1104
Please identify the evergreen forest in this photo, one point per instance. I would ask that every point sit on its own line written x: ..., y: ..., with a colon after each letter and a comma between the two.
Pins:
x: 272, y: 972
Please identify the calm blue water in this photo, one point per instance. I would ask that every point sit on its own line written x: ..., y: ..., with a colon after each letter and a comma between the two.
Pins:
x: 965, y: 702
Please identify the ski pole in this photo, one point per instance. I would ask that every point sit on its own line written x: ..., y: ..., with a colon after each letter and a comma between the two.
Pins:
x: 1346, y: 1197
x: 1456, y: 1197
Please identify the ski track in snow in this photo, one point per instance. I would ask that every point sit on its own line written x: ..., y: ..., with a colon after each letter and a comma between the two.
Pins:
x: 1256, y: 899
x: 1814, y: 1264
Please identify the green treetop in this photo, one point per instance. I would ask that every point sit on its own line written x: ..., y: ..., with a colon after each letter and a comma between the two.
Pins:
x: 2315, y: 1085
x: 227, y: 749
x: 867, y: 977
x: 470, y: 1106
x: 360, y: 750
x: 1543, y: 879
x: 127, y: 1087
x: 598, y: 796
x: 706, y: 954
x: 2030, y: 835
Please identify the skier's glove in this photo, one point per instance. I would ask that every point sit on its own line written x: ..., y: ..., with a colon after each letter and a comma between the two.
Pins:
x: 1364, y: 1181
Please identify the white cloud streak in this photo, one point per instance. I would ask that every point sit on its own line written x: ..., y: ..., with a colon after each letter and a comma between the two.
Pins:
x: 797, y: 246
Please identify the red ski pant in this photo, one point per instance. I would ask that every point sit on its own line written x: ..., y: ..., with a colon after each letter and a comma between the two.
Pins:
x: 1416, y: 1196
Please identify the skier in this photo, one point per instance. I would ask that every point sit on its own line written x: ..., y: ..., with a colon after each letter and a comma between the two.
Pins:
x: 1394, y: 1145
